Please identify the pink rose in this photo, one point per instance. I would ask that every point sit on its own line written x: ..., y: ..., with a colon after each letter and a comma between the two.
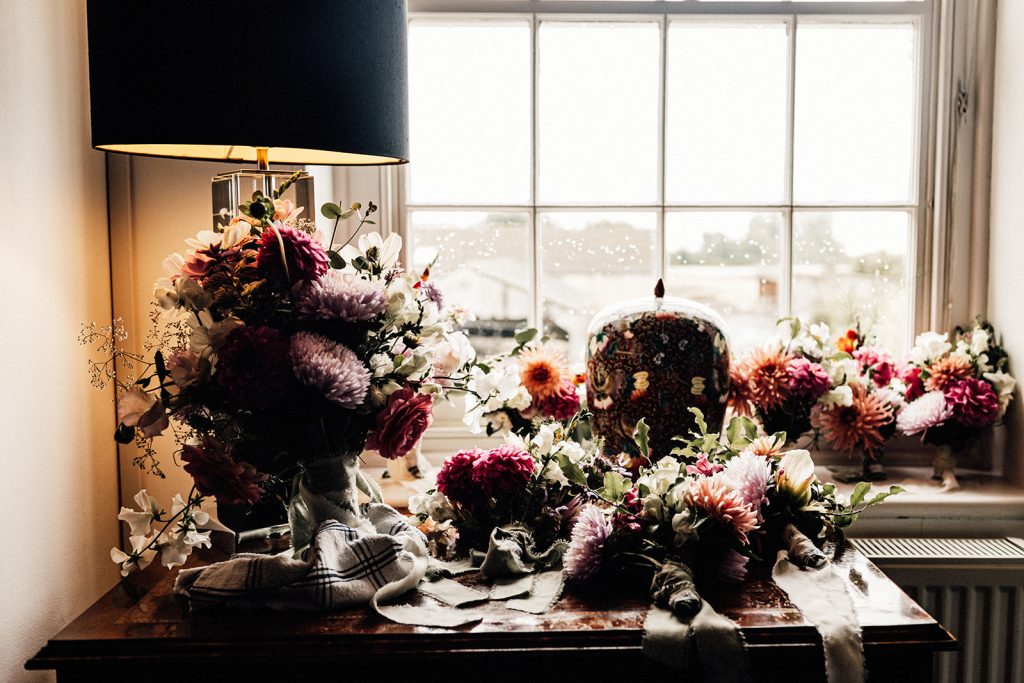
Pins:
x: 911, y: 376
x: 877, y: 363
x: 401, y: 424
x: 704, y: 467
x: 143, y: 411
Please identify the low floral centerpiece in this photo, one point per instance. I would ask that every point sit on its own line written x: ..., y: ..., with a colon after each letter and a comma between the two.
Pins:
x: 278, y: 360
x: 956, y: 389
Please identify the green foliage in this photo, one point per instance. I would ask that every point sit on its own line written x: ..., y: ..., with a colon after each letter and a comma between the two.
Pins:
x: 335, y: 260
x: 640, y: 437
x: 845, y: 515
x: 615, y: 487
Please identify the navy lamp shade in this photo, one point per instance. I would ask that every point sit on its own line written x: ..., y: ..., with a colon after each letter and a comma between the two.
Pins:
x: 282, y: 81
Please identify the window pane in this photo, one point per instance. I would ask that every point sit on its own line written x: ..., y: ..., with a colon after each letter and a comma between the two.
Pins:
x: 588, y: 261
x: 483, y: 263
x: 855, y: 112
x: 852, y: 266
x: 726, y: 117
x: 469, y: 102
x: 598, y: 109
x: 728, y: 260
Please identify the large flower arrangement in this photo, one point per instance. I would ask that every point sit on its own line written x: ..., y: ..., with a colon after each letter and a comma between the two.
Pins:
x: 714, y: 505
x: 537, y: 482
x: 845, y: 390
x: 276, y: 352
x: 955, y: 389
x: 508, y: 392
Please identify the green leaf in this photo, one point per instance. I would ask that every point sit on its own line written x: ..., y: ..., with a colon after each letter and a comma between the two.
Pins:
x: 879, y: 497
x: 741, y: 431
x: 614, y: 486
x: 859, y: 492
x: 525, y: 336
x: 571, y: 470
x: 331, y: 210
x: 640, y: 437
x: 698, y: 417
x: 369, y: 222
x: 841, y: 521
x: 336, y: 261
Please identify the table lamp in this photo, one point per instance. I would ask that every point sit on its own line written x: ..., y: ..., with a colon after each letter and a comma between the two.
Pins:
x: 296, y: 82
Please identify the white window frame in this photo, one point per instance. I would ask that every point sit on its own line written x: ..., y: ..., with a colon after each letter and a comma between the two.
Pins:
x: 947, y: 253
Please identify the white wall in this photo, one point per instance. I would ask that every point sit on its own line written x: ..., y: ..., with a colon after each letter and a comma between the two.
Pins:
x: 1006, y: 256
x: 57, y: 459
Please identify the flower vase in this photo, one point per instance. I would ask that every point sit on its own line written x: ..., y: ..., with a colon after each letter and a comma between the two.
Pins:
x: 328, y: 488
x: 944, y: 466
x: 874, y: 466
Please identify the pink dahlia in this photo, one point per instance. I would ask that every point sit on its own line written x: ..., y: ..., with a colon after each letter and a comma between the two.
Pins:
x: 329, y: 367
x: 401, y: 424
x: 502, y: 470
x: 582, y: 560
x: 713, y: 496
x: 341, y: 296
x: 807, y: 378
x: 877, y: 363
x: 455, y: 479
x: 973, y: 401
x: 923, y: 413
x: 216, y: 473
x: 302, y: 259
x: 253, y: 367
x: 561, y: 405
x: 749, y: 474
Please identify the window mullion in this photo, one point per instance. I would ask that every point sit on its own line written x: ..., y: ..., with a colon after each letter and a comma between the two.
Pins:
x: 661, y: 258
x: 786, y: 248
x: 536, y: 313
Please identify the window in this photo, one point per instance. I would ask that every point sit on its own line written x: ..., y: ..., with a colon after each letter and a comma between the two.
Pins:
x: 765, y: 164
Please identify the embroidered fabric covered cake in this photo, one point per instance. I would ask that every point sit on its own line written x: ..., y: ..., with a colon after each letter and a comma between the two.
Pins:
x: 654, y: 358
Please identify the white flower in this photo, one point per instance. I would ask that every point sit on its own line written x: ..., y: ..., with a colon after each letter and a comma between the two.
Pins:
x: 682, y: 525
x: 544, y: 442
x: 891, y: 396
x: 654, y: 507
x: 795, y: 475
x: 553, y: 473
x: 521, y: 399
x: 454, y: 352
x: 176, y: 547
x: 139, y: 558
x: 572, y: 451
x: 679, y: 495
x: 846, y: 371
x: 435, y: 506
x: 1004, y: 384
x: 928, y: 346
x: 140, y: 521
x: 820, y: 331
x: 840, y: 396
x: 372, y: 245
x: 231, y: 236
x: 923, y: 413
x: 200, y: 517
x: 173, y: 264
x: 979, y: 341
x: 660, y: 479
x: 381, y: 364
x: 207, y: 335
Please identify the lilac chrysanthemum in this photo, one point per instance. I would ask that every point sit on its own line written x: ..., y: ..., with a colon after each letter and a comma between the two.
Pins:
x: 586, y: 545
x: 921, y: 414
x: 331, y: 368
x: 732, y: 567
x: 341, y: 296
x: 748, y: 475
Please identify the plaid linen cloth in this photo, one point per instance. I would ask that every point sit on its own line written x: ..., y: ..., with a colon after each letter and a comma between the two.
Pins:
x: 342, y: 567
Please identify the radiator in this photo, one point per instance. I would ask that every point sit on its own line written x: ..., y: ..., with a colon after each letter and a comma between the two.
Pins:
x: 972, y: 586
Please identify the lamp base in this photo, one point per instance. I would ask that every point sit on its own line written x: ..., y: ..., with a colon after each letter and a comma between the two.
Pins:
x: 232, y: 188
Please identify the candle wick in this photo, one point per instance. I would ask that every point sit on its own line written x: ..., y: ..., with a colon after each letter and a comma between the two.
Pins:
x: 659, y: 289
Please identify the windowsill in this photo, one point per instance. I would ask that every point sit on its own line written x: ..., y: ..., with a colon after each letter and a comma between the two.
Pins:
x: 985, y: 505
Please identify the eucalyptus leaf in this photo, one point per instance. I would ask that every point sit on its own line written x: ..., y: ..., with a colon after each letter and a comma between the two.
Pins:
x: 698, y: 417
x: 331, y: 210
x: 879, y: 497
x: 336, y: 261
